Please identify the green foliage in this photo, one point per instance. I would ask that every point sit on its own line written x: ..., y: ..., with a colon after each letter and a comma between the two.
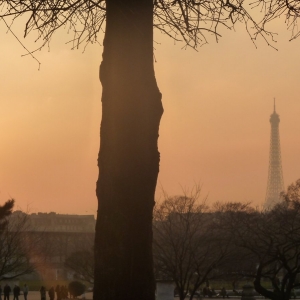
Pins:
x: 76, y: 288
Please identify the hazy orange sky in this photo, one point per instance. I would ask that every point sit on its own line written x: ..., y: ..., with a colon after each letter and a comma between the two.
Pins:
x: 215, y: 129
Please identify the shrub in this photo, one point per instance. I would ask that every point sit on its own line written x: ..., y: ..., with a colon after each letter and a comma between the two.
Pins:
x: 76, y: 288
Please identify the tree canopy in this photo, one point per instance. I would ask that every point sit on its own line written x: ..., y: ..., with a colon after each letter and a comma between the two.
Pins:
x: 190, y: 21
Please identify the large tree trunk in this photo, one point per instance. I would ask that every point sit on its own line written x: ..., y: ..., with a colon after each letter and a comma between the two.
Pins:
x: 128, y: 157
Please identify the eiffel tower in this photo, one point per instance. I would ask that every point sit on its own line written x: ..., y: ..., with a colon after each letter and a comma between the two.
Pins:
x: 275, y: 177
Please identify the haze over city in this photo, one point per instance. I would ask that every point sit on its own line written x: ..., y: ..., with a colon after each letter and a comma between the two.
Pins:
x: 215, y: 128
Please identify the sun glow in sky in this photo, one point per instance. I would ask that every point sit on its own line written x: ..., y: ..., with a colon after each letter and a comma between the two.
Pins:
x: 215, y: 129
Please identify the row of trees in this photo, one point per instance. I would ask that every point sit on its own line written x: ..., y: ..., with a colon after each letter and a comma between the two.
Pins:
x: 194, y: 243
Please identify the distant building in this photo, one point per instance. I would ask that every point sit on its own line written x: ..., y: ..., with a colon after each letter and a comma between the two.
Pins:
x: 56, y: 236
x: 275, y: 177
x: 53, y: 222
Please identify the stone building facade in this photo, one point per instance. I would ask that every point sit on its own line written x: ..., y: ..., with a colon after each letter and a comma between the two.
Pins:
x: 56, y: 237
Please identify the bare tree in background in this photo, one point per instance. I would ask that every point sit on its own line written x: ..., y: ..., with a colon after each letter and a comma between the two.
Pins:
x: 82, y: 263
x: 17, y: 247
x: 81, y: 259
x: 270, y: 240
x: 187, y: 247
x: 131, y: 109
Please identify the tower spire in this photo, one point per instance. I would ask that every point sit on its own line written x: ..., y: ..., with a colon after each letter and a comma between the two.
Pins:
x: 275, y: 177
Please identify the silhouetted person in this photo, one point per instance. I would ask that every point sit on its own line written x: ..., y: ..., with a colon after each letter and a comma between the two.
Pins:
x: 43, y: 293
x: 0, y: 292
x: 213, y: 292
x: 207, y: 292
x: 204, y: 291
x: 6, y: 292
x: 16, y: 291
x: 25, y: 291
x: 51, y: 293
x: 58, y: 292
x: 207, y: 283
x: 277, y: 282
x: 224, y: 293
x: 64, y: 292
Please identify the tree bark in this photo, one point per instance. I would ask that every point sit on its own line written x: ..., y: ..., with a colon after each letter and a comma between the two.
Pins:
x: 128, y: 158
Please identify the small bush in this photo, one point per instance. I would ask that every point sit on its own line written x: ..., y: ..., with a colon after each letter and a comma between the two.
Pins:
x: 76, y: 288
